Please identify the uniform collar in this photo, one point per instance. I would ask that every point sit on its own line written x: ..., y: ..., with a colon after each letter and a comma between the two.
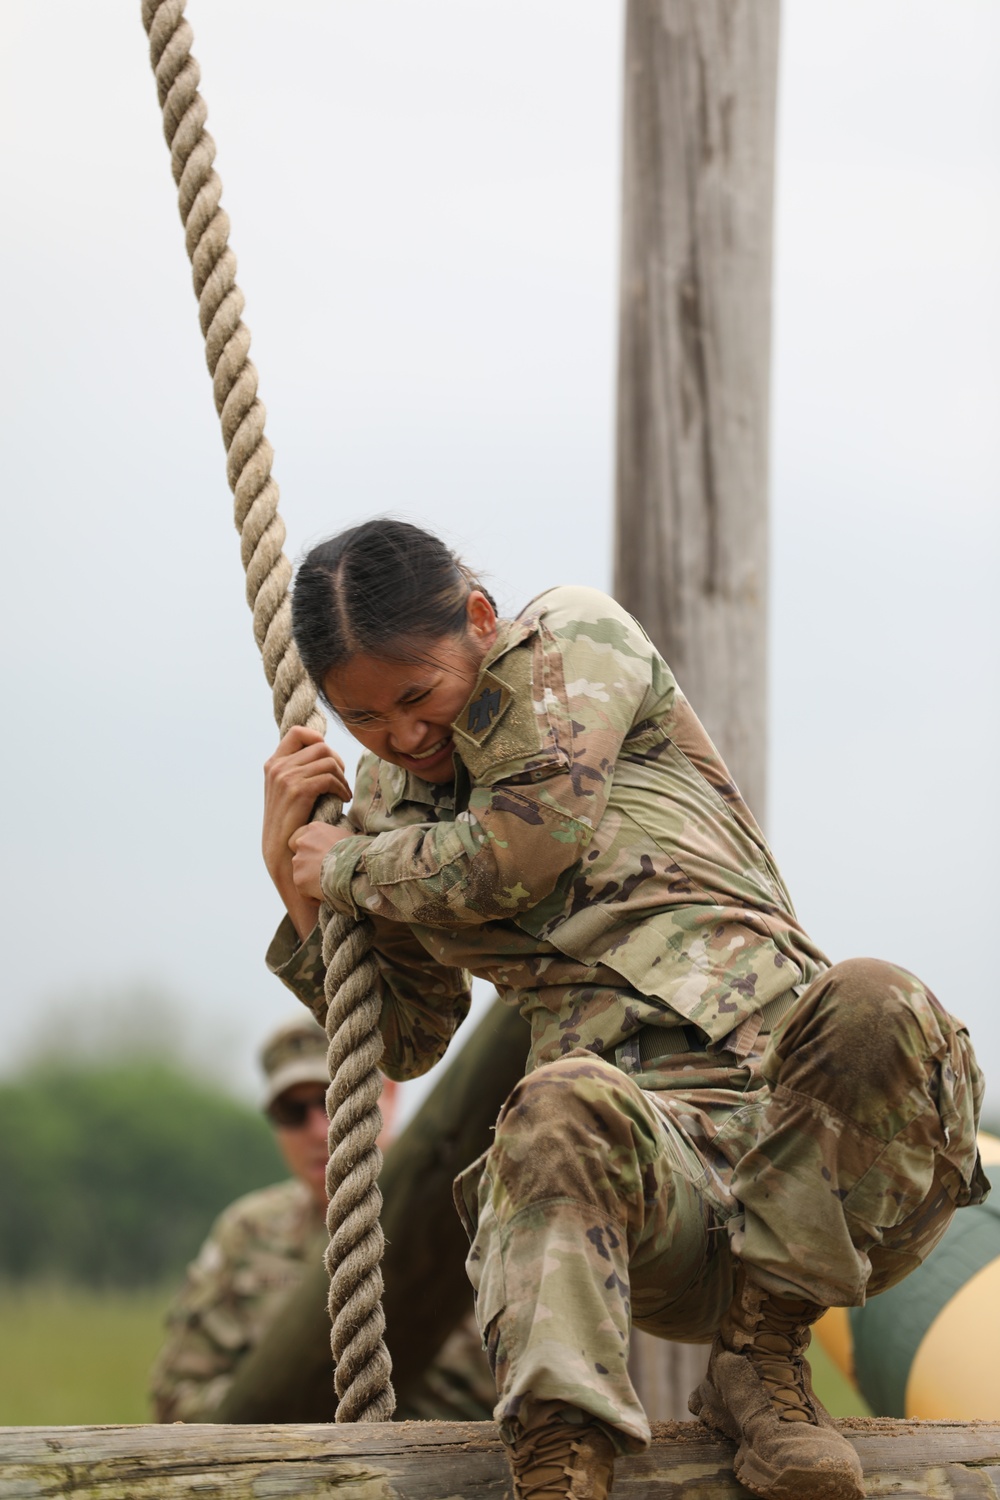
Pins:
x: 399, y: 786
x: 510, y: 633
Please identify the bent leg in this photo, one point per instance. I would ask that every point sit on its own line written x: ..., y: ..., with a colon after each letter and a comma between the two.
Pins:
x: 584, y: 1180
x: 868, y: 1137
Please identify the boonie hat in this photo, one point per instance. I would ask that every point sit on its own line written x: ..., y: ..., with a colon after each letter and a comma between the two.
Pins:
x: 295, y: 1053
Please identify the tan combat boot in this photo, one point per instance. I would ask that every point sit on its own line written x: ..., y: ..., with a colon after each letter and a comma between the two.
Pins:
x: 561, y: 1461
x: 759, y: 1393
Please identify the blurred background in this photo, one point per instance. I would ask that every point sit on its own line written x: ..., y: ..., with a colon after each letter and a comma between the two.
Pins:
x: 425, y: 206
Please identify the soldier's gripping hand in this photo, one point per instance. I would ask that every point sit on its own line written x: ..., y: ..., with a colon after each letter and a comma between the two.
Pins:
x: 302, y: 769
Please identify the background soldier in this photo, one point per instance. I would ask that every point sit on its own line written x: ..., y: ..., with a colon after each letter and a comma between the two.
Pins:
x: 261, y: 1246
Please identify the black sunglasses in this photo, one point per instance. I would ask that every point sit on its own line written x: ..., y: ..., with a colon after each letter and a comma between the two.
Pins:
x: 292, y: 1114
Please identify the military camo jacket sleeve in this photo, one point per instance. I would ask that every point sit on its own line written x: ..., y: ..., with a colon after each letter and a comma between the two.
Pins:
x: 423, y: 1000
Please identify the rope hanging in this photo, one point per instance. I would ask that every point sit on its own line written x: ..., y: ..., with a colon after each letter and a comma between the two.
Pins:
x: 353, y: 1257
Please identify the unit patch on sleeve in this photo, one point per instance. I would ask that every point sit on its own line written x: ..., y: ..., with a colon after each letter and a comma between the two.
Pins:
x: 484, y: 710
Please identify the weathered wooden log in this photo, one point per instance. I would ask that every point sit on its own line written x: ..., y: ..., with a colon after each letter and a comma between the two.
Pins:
x: 444, y: 1461
x: 288, y: 1377
x: 694, y: 355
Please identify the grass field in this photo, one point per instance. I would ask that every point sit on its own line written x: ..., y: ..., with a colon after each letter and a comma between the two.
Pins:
x: 73, y: 1356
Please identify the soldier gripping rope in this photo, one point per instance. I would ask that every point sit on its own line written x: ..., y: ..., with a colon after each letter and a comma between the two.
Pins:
x: 720, y: 1134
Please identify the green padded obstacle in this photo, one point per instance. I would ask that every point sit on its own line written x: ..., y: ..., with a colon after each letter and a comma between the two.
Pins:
x: 888, y: 1330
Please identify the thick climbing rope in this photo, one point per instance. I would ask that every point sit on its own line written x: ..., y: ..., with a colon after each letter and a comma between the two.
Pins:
x: 354, y: 1255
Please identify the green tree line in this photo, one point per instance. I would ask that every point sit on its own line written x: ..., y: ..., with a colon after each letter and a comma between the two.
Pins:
x: 111, y: 1174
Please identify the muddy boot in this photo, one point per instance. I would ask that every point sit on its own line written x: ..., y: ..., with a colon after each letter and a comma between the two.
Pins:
x: 561, y: 1461
x: 759, y: 1393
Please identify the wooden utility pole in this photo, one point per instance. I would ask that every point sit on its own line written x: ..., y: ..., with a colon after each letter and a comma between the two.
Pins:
x: 693, y: 375
x: 694, y: 355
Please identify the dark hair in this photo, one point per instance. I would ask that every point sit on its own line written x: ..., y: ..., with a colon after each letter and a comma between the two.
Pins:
x: 384, y: 589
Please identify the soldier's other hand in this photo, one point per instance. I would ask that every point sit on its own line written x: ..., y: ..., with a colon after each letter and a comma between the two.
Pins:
x: 310, y: 846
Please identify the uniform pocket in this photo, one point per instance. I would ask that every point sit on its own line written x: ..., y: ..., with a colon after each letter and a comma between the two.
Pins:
x: 473, y: 1193
x: 938, y: 1145
x: 960, y: 1098
x: 465, y: 1193
x: 484, y: 1265
x: 898, y: 1181
x: 957, y: 1088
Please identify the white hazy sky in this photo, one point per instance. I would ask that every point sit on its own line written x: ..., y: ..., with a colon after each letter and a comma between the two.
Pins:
x: 425, y: 208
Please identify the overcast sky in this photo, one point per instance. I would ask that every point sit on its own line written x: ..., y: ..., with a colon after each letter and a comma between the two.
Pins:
x: 424, y: 200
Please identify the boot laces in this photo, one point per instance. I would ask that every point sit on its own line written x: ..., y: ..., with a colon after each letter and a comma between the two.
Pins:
x: 777, y: 1354
x: 544, y: 1462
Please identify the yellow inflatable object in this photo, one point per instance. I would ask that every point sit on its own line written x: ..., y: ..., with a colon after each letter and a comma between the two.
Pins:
x: 930, y: 1347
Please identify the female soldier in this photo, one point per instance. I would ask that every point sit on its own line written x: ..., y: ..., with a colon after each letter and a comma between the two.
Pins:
x: 719, y: 1134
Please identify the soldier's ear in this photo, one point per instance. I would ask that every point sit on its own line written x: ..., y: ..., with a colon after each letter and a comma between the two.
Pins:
x: 482, y: 618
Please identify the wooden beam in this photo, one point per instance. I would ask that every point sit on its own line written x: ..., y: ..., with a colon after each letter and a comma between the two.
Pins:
x: 444, y: 1461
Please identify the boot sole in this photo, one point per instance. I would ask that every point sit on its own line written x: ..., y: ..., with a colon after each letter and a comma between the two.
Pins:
x: 812, y: 1483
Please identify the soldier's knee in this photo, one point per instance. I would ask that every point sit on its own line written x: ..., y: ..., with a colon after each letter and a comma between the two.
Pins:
x: 874, y: 1010
x: 575, y: 1128
x: 865, y: 1003
x: 861, y: 1028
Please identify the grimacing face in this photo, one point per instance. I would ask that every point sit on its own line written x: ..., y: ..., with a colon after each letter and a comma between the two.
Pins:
x: 403, y: 710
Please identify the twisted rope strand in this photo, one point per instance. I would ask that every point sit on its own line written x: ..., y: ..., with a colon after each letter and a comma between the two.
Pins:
x: 354, y: 1255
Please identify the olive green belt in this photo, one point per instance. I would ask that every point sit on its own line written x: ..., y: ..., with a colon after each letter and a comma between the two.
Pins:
x: 643, y: 1050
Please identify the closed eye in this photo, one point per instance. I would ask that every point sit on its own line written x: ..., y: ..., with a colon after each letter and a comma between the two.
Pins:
x: 360, y: 719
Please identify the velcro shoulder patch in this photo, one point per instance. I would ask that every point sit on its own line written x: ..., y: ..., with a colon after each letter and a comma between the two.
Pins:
x: 502, y: 731
x: 483, y: 712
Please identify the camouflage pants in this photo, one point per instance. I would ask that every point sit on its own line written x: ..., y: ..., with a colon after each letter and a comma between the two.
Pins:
x: 831, y: 1162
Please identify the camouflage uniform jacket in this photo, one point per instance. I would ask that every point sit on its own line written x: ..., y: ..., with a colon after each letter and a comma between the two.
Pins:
x: 593, y: 858
x: 255, y: 1256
